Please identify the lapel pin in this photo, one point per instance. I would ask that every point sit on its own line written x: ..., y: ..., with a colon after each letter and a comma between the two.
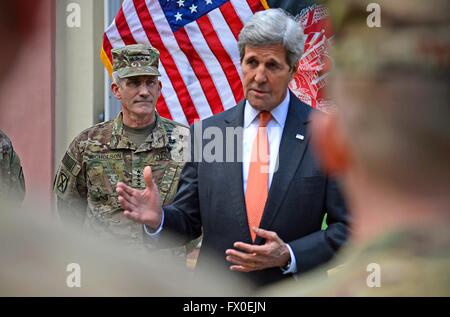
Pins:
x: 300, y: 137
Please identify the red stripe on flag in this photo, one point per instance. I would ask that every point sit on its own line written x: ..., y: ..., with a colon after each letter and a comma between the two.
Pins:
x: 107, y: 47
x: 310, y: 18
x: 232, y: 19
x: 162, y: 108
x: 167, y: 60
x: 200, y: 70
x: 255, y: 5
x: 222, y: 56
x: 124, y: 29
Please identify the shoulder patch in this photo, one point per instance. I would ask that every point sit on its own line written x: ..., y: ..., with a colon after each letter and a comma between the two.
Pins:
x: 62, y: 182
x: 71, y: 164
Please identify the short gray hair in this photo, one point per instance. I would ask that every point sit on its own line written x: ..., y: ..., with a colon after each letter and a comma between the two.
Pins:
x: 270, y: 27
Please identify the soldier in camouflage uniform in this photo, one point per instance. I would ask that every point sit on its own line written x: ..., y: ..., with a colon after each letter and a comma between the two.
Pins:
x: 409, y: 262
x: 108, y: 152
x: 12, y: 183
x: 390, y: 142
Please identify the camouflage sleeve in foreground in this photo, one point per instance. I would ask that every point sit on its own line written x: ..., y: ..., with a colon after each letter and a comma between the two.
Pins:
x: 12, y: 182
x: 70, y: 186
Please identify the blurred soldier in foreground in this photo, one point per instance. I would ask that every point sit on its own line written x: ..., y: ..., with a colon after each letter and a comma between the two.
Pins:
x: 390, y: 141
x: 12, y: 182
x: 39, y: 258
x: 118, y: 150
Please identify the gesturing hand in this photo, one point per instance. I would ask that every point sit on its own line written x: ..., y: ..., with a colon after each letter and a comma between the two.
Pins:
x: 274, y: 253
x: 141, y: 205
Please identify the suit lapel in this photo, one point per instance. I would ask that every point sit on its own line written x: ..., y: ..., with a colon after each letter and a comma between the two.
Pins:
x: 291, y: 152
x: 233, y: 173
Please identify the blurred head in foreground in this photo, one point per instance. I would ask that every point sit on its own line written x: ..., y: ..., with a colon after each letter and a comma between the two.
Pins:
x: 39, y: 258
x: 390, y: 143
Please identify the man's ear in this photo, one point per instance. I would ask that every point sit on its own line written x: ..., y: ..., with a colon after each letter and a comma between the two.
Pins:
x: 115, y: 90
x: 329, y: 143
x: 294, y: 70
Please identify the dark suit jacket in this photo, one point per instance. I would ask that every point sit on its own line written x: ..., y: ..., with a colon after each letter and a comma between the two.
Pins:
x: 210, y: 198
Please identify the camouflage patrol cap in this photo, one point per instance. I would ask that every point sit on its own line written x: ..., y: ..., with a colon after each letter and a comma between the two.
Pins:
x: 135, y: 60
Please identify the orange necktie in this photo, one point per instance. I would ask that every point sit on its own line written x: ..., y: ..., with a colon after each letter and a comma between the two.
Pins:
x: 258, y: 174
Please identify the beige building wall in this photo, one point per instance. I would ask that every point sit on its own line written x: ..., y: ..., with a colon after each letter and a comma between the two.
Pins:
x: 79, y: 78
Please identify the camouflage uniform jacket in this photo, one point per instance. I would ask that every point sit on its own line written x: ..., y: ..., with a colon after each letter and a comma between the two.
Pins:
x: 412, y: 262
x: 100, y: 157
x: 12, y: 183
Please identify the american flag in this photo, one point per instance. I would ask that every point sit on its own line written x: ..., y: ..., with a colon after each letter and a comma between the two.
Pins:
x: 199, y: 58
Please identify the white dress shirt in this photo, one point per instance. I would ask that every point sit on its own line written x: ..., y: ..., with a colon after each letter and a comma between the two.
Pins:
x: 274, y: 133
x: 275, y: 129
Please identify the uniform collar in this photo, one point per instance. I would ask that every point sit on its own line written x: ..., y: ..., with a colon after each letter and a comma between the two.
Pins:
x: 157, y: 139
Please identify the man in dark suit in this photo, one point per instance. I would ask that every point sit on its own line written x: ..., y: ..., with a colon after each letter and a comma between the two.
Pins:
x: 259, y: 203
